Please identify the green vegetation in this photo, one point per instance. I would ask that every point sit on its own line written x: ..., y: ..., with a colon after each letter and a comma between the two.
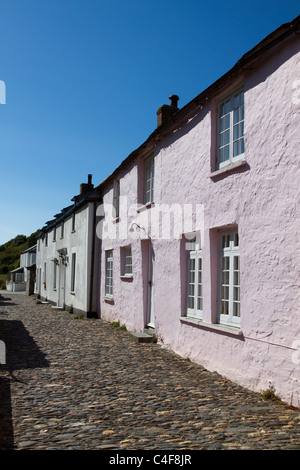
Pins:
x: 269, y: 394
x: 10, y: 254
x: 116, y: 324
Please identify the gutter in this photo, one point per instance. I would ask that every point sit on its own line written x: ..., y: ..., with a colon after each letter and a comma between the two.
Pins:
x: 90, y: 313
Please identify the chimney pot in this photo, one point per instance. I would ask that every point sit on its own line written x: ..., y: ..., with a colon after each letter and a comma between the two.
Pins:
x: 174, y: 100
x: 165, y: 112
x: 85, y: 187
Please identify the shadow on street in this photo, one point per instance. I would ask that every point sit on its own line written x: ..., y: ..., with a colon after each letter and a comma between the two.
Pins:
x: 21, y: 352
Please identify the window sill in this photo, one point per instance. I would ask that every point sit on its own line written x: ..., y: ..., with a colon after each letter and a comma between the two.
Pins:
x: 72, y: 292
x: 115, y: 220
x: 228, y: 169
x: 144, y: 207
x: 109, y: 299
x: 216, y: 327
x: 126, y: 277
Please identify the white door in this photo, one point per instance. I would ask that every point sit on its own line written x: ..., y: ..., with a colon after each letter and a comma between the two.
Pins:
x: 150, y: 321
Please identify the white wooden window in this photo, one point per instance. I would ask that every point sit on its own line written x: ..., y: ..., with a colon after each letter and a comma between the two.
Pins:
x: 73, y: 272
x: 149, y: 180
x: 231, y: 129
x: 54, y: 234
x: 127, y: 261
x: 62, y: 230
x: 229, y: 295
x: 194, y: 278
x: 116, y: 199
x: 109, y: 273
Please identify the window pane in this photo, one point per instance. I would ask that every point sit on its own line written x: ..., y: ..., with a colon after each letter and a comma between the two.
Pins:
x: 236, y: 239
x: 242, y: 146
x: 191, y: 302
x: 236, y: 116
x: 236, y: 309
x: 224, y: 308
x: 236, y: 148
x: 227, y: 121
x: 236, y: 132
x: 227, y: 107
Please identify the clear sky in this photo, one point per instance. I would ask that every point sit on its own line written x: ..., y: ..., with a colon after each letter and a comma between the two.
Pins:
x: 84, y: 79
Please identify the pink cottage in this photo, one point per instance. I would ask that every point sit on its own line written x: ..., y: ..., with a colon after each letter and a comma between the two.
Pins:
x: 200, y: 225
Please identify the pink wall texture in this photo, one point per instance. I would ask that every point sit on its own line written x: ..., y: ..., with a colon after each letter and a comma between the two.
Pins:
x: 257, y: 197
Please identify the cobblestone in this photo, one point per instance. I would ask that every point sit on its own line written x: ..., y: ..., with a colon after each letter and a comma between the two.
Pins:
x: 82, y: 384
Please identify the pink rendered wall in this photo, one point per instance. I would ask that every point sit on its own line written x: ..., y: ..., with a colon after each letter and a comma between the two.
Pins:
x: 262, y: 199
x: 129, y: 302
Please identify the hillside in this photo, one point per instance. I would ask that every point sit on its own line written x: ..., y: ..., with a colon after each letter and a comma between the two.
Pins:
x: 10, y: 254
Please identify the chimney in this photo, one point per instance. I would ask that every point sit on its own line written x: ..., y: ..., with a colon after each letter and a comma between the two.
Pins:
x: 85, y: 187
x: 165, y: 112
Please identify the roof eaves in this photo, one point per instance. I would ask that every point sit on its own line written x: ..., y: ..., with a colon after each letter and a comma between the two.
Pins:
x: 182, y: 115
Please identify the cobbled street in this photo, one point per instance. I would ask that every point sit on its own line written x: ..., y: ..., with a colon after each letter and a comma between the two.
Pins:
x: 83, y: 384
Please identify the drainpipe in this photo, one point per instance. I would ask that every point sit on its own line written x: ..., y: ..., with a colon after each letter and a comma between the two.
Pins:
x: 90, y: 313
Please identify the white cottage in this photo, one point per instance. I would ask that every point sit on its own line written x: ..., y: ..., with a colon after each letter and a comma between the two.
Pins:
x: 66, y: 274
x: 21, y: 279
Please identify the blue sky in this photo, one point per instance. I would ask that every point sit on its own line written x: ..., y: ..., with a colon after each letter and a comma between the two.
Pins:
x: 84, y: 79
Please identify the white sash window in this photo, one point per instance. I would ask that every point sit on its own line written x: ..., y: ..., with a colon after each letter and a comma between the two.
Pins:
x: 194, y: 279
x: 231, y: 129
x: 229, y: 292
x: 109, y: 274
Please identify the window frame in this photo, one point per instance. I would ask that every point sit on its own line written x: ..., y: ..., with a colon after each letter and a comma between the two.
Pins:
x: 126, y: 254
x: 55, y: 264
x: 148, y: 194
x: 230, y: 97
x: 194, y: 252
x: 109, y: 269
x: 230, y: 252
x: 73, y: 273
x: 116, y: 199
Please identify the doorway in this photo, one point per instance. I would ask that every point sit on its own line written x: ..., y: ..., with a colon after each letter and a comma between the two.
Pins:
x: 150, y: 291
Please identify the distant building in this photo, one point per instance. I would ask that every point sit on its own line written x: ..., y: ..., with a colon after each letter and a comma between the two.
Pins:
x: 23, y: 278
x: 67, y: 248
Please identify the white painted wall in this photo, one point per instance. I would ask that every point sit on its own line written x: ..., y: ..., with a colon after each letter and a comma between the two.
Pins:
x: 76, y: 241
